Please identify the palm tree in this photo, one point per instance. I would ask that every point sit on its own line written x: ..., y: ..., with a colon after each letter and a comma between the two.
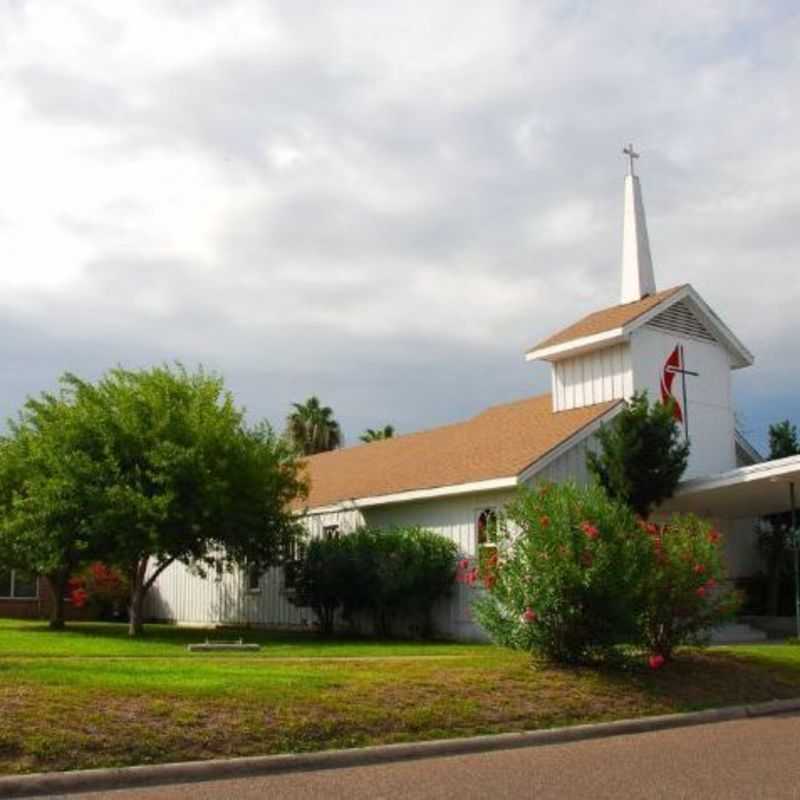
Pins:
x: 311, y: 428
x: 372, y: 435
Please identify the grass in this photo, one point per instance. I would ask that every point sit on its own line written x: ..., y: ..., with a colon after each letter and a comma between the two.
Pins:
x: 88, y: 697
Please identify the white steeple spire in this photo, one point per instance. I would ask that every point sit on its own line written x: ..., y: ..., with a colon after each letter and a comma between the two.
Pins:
x: 638, y: 279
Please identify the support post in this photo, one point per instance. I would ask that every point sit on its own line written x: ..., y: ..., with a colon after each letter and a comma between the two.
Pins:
x: 796, y: 549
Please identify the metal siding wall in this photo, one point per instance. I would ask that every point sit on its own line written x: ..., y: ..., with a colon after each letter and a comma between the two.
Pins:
x: 570, y: 466
x: 711, y: 413
x: 182, y: 596
x: 592, y: 378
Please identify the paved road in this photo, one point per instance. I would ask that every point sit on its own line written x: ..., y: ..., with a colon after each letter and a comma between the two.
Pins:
x: 745, y: 759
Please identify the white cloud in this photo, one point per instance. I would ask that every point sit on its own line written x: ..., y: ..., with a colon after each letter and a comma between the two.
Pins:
x: 331, y: 191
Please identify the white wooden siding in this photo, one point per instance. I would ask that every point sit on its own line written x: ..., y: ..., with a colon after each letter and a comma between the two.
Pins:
x: 592, y: 378
x: 569, y: 466
x: 181, y: 595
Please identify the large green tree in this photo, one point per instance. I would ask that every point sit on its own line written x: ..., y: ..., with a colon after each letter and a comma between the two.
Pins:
x: 178, y: 476
x: 193, y: 483
x: 642, y: 455
x: 775, y: 535
x: 52, y: 469
x: 312, y: 428
x: 377, y: 434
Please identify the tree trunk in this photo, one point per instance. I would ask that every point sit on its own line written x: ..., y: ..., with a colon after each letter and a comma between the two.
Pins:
x: 135, y: 611
x: 140, y: 585
x: 57, y: 584
x: 136, y: 603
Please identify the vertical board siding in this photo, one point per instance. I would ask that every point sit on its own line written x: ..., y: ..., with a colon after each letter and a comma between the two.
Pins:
x: 592, y: 378
x: 182, y: 595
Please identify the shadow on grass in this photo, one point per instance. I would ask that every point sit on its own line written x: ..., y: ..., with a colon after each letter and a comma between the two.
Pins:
x: 699, y: 679
x: 22, y: 638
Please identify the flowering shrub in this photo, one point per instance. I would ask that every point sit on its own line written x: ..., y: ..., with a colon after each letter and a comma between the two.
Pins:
x: 103, y: 587
x: 684, y: 598
x: 575, y: 575
x: 568, y: 577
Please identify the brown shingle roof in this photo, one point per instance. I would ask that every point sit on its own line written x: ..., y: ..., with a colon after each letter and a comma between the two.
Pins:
x: 500, y: 442
x: 607, y: 319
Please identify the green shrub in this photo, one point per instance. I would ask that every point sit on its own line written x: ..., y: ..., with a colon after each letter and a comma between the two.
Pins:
x: 324, y: 579
x: 399, y: 572
x: 575, y: 576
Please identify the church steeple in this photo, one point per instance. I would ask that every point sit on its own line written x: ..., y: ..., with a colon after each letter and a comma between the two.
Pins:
x: 638, y: 279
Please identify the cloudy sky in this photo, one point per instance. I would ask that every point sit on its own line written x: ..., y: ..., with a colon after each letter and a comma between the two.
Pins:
x: 386, y: 203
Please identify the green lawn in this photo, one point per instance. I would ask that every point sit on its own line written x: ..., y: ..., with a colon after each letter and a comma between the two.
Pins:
x: 88, y: 697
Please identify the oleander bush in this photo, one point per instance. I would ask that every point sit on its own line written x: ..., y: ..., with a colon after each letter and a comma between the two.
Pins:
x: 685, y: 597
x: 576, y: 577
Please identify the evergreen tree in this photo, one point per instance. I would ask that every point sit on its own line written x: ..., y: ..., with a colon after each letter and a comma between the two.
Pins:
x: 642, y: 455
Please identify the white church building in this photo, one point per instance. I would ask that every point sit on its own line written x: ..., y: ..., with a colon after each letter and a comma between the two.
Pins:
x: 452, y: 479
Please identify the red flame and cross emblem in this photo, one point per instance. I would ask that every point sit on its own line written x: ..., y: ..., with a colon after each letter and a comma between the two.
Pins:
x: 676, y: 365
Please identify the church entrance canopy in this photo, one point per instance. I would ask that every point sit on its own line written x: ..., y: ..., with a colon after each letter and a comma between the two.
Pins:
x: 744, y: 492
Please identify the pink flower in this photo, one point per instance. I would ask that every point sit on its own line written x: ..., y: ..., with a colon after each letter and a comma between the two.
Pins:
x: 649, y: 527
x: 590, y: 530
x: 656, y: 661
x: 529, y: 615
x: 710, y: 584
x: 79, y: 598
x: 699, y: 569
x: 464, y: 563
x: 701, y: 591
x: 713, y: 536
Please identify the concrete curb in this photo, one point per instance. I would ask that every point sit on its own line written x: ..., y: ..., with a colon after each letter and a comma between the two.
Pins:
x: 97, y: 780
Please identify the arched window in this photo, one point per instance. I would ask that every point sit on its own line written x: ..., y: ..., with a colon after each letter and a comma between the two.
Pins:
x: 486, y: 527
x: 486, y: 524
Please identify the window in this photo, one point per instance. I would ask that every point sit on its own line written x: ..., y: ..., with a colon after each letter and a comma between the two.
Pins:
x: 297, y: 550
x: 486, y: 534
x: 253, y: 579
x: 18, y: 585
x: 330, y: 531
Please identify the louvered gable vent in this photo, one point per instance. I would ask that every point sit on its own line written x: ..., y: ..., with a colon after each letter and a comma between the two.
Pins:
x: 679, y: 318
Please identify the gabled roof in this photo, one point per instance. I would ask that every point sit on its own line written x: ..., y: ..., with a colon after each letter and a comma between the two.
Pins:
x: 605, y: 320
x: 613, y: 325
x: 496, y: 446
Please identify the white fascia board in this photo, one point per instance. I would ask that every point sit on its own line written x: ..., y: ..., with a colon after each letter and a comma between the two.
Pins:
x: 575, y: 346
x: 742, y: 356
x: 777, y: 469
x: 733, y: 342
x: 357, y: 503
x: 575, y: 439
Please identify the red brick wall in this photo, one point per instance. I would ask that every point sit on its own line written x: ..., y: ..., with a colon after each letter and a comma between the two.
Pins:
x: 40, y: 607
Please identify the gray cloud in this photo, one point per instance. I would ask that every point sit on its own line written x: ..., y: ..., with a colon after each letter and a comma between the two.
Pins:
x: 386, y: 205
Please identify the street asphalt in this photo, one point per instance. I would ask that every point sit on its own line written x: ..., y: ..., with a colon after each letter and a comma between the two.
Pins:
x: 753, y: 758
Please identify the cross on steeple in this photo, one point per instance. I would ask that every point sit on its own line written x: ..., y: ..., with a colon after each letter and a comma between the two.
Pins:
x: 632, y: 154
